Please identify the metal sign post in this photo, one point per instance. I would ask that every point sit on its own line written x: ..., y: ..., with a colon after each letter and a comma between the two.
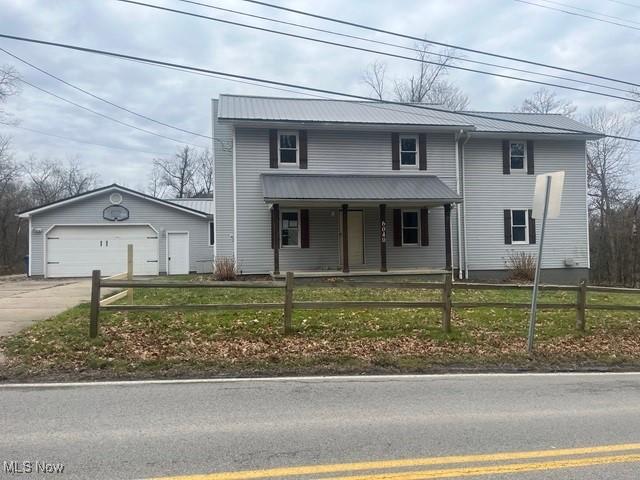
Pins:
x: 546, y: 204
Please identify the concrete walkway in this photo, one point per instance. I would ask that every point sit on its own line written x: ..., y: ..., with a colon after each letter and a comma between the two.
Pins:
x: 23, y: 301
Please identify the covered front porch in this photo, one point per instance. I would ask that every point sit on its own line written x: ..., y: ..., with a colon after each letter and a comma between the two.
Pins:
x: 359, y: 225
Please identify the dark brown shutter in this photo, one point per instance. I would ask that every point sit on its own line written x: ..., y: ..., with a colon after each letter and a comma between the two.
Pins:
x: 507, y: 227
x: 302, y: 138
x: 506, y: 158
x: 395, y: 151
x: 273, y: 148
x: 424, y: 227
x: 422, y: 142
x: 530, y: 162
x: 304, y: 228
x: 397, y: 227
x: 532, y: 228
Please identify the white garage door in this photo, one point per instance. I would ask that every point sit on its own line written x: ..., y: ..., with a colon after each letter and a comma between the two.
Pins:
x: 74, y: 251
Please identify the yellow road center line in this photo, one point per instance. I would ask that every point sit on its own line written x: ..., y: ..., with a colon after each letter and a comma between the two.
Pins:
x: 412, y: 462
x: 498, y: 469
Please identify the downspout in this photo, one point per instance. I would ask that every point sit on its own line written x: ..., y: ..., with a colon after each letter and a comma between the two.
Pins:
x: 464, y: 200
x: 459, y: 210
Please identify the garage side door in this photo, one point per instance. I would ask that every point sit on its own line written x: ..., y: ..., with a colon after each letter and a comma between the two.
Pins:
x: 74, y: 251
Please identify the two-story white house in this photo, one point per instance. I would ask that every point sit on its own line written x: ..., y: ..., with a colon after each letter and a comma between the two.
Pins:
x: 348, y: 187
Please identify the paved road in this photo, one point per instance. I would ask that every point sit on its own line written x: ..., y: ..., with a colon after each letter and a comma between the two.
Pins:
x: 23, y: 302
x: 144, y: 430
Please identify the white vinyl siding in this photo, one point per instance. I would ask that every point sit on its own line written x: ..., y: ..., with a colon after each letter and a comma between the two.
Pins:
x: 331, y: 151
x: 489, y: 192
x: 162, y: 218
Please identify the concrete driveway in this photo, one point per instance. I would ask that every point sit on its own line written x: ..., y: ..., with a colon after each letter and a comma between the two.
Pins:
x: 23, y: 301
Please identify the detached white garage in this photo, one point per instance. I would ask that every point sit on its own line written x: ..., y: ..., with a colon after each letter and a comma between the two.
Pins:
x: 74, y: 236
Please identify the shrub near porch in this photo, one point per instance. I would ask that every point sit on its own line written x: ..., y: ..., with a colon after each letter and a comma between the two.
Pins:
x: 329, y: 341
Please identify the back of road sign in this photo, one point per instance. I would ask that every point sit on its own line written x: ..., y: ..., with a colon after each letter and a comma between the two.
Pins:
x: 555, y: 194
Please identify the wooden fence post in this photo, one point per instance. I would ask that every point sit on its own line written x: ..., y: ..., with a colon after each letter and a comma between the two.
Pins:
x: 288, y: 302
x: 95, y: 304
x: 581, y: 316
x: 130, y: 272
x: 446, y: 301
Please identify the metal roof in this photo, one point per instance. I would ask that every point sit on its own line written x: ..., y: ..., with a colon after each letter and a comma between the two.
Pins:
x: 201, y: 204
x: 553, y: 122
x: 240, y: 107
x: 356, y: 188
x: 303, y: 110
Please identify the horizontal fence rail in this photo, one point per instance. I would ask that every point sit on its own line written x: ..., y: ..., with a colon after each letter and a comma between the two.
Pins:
x: 447, y: 304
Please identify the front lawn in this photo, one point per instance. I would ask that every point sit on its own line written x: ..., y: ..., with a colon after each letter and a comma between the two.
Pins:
x: 251, y: 342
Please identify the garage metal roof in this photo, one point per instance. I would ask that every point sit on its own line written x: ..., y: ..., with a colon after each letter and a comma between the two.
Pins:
x: 304, y: 110
x: 356, y: 188
x: 201, y: 204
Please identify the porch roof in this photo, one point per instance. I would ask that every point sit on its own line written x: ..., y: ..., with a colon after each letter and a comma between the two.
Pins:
x: 395, y: 188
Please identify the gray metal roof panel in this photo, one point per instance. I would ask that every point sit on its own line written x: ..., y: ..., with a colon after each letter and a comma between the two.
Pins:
x: 277, y: 109
x: 239, y: 107
x: 351, y: 187
x: 204, y: 205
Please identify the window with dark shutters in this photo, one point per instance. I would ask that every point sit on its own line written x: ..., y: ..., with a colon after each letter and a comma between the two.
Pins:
x: 397, y: 227
x: 530, y: 162
x: 302, y: 137
x: 507, y: 227
x: 395, y: 151
x: 304, y: 228
x: 273, y: 148
x: 424, y: 226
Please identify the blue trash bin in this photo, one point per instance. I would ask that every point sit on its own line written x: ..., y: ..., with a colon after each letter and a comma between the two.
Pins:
x: 26, y: 264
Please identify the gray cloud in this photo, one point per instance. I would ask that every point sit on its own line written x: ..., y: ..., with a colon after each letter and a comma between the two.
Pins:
x: 184, y: 99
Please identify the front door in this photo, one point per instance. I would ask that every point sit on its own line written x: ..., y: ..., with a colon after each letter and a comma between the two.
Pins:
x: 177, y: 253
x: 356, y: 237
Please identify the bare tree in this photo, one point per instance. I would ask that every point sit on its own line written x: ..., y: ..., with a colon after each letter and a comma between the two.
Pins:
x: 374, y: 76
x: 155, y: 185
x: 547, y: 101
x: 608, y: 168
x: 204, y: 175
x: 427, y: 85
x: 178, y: 173
x: 9, y: 79
x: 50, y: 180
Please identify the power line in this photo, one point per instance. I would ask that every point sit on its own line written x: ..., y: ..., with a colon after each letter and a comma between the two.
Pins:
x: 552, y: 2
x: 378, y: 52
x: 576, y: 14
x: 83, y: 141
x: 625, y: 3
x: 404, y: 47
x: 101, y: 98
x: 106, y: 116
x: 442, y: 44
x: 375, y: 101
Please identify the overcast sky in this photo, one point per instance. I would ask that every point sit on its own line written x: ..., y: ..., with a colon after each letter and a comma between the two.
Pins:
x: 501, y: 26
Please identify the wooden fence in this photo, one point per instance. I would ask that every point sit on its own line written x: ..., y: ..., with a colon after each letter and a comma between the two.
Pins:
x: 288, y: 304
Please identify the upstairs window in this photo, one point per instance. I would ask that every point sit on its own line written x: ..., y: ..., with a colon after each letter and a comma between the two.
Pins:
x: 288, y: 153
x: 519, y: 226
x: 289, y: 229
x: 517, y: 155
x: 408, y: 151
x: 410, y: 227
